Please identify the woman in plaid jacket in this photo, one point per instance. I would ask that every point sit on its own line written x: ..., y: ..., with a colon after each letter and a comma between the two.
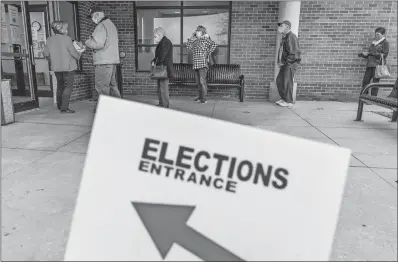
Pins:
x: 202, y: 46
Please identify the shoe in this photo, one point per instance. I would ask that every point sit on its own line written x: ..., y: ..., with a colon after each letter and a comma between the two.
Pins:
x: 197, y: 99
x: 68, y: 111
x: 279, y: 101
x: 203, y: 101
x: 289, y: 105
x: 159, y: 105
x: 283, y: 104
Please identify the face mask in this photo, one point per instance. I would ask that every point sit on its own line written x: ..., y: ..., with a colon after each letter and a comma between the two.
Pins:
x: 281, y: 30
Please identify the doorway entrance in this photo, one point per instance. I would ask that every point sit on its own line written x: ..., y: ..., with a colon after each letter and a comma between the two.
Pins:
x: 17, y: 54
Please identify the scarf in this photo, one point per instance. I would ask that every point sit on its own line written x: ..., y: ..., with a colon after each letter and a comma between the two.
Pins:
x: 375, y: 43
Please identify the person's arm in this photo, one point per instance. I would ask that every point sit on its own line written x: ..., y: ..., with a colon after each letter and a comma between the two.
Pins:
x: 294, y: 50
x: 163, y: 51
x: 98, y: 38
x: 72, y: 51
x: 211, y: 45
x: 385, y: 50
x: 46, y: 52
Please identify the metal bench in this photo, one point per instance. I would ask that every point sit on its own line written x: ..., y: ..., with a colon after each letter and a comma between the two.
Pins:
x: 221, y: 75
x: 389, y: 102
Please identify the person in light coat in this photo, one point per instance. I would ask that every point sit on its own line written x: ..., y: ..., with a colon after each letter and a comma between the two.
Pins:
x: 104, y: 42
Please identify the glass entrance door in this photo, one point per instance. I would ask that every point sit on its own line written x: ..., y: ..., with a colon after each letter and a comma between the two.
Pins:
x: 17, y: 55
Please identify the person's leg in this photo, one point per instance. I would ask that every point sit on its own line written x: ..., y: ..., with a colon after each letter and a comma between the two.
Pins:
x: 289, y: 83
x: 197, y: 78
x: 164, y: 93
x: 374, y: 90
x: 103, y: 75
x: 69, y: 81
x: 114, y: 90
x: 280, y: 83
x: 159, y: 93
x: 60, y: 88
x: 203, y: 83
x: 369, y: 73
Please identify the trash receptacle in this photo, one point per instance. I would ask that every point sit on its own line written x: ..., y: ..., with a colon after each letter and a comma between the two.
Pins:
x: 7, y: 107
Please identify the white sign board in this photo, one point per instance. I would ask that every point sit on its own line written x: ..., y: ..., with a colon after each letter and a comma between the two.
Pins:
x: 162, y: 185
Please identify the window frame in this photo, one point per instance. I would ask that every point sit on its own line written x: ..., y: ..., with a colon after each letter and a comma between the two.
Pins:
x: 181, y: 7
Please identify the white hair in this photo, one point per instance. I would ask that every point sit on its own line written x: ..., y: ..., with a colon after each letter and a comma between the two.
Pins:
x: 159, y: 31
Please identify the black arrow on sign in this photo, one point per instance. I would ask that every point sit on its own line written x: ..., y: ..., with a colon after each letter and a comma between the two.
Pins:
x: 167, y: 224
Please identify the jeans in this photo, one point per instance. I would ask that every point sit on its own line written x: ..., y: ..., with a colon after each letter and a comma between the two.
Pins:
x: 65, y: 81
x: 201, y: 81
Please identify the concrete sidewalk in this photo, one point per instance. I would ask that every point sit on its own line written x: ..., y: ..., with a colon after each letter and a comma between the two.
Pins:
x: 43, y: 156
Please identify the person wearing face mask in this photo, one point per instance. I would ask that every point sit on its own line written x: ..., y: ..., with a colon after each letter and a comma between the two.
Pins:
x: 63, y: 56
x: 379, y: 47
x: 202, y: 46
x: 104, y: 42
x: 289, y: 57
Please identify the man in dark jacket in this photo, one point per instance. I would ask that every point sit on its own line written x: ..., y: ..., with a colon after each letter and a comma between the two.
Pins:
x: 163, y: 56
x: 289, y: 56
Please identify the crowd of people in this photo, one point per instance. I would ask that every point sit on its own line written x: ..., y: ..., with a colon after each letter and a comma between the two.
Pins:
x: 63, y: 54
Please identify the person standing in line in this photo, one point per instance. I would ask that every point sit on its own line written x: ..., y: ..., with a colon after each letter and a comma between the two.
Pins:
x: 163, y: 56
x: 63, y: 56
x: 379, y: 47
x: 104, y: 42
x: 202, y: 46
x: 289, y: 57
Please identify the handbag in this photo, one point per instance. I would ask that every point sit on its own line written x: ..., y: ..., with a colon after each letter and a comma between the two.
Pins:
x: 158, y: 72
x: 383, y: 70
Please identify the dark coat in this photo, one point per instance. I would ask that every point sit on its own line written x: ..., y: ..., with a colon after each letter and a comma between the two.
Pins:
x: 374, y: 56
x: 291, y: 50
x: 164, y: 56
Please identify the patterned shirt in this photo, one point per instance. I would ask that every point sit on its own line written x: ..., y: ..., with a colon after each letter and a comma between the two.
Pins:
x: 201, y: 49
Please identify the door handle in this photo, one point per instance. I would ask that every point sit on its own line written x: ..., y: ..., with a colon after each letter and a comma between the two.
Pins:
x: 32, y: 55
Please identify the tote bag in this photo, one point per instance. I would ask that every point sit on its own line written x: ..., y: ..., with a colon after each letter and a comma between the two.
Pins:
x: 383, y: 70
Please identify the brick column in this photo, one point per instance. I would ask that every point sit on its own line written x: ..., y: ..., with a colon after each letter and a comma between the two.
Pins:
x: 287, y: 11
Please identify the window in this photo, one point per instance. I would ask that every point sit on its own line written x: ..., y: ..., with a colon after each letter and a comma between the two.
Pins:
x: 68, y: 12
x: 180, y: 19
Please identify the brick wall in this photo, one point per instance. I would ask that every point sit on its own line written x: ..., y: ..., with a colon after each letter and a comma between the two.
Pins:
x: 84, y: 81
x: 331, y: 34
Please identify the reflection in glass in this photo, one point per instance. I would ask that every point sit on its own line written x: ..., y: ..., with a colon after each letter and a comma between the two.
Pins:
x: 215, y: 21
x: 147, y: 20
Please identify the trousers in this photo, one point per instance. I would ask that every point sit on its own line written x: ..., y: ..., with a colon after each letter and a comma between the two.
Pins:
x: 201, y: 81
x: 65, y: 81
x: 105, y: 80
x: 285, y: 82
x: 369, y: 74
x: 163, y: 93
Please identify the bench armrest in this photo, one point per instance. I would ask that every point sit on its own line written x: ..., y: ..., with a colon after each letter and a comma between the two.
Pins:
x: 379, y: 85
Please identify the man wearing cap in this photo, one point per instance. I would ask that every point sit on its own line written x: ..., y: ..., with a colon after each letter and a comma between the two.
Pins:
x: 104, y: 42
x: 289, y: 56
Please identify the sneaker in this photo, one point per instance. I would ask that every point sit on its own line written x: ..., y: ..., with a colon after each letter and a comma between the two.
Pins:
x: 283, y: 104
x: 67, y: 111
x: 289, y: 105
x: 197, y: 99
x: 203, y: 101
x: 279, y: 101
